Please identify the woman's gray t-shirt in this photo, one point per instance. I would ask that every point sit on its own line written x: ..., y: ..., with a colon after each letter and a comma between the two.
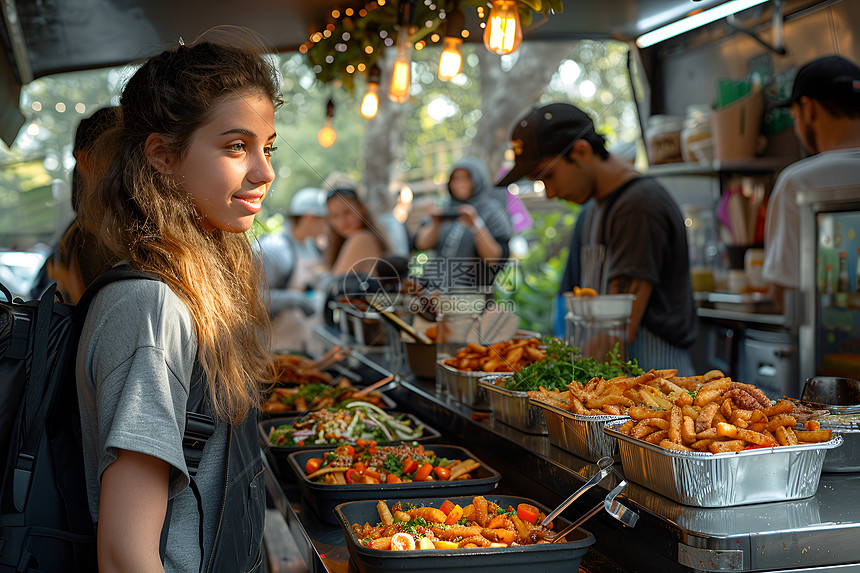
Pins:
x: 134, y: 368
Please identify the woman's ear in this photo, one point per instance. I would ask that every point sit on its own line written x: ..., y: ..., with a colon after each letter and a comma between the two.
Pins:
x: 158, y: 153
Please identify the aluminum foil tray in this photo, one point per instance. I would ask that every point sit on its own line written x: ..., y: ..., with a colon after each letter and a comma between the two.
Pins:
x: 578, y: 434
x: 463, y: 385
x: 323, y: 497
x: 847, y: 457
x: 513, y: 408
x: 720, y: 480
x: 547, y: 557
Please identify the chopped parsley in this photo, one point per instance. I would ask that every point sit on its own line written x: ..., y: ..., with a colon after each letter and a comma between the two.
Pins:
x: 393, y: 465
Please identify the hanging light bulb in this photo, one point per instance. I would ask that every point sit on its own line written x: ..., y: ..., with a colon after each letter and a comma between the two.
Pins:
x: 451, y: 59
x: 401, y: 75
x: 370, y: 101
x: 398, y: 92
x: 327, y: 135
x: 503, y: 33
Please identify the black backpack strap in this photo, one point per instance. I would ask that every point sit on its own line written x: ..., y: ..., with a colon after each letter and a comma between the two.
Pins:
x: 199, y: 427
x: 36, y: 404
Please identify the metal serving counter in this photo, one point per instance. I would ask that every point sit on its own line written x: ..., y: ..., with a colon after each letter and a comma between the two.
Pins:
x: 820, y: 533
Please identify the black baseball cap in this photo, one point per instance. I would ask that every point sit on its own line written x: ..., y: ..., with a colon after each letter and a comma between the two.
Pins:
x: 830, y: 78
x: 545, y: 131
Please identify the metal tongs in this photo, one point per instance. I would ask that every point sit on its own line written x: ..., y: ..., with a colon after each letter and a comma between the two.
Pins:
x: 604, y: 465
x: 612, y: 506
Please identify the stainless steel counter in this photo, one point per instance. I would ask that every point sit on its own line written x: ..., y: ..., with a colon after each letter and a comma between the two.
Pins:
x: 820, y: 533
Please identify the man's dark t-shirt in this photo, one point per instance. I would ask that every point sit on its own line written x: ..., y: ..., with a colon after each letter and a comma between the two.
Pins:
x: 645, y: 239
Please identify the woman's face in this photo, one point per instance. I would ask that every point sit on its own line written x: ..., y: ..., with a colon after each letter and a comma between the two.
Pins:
x: 344, y: 215
x: 460, y: 184
x: 227, y: 167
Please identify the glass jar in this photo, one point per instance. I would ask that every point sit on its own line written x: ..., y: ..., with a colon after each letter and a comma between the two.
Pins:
x: 696, y: 139
x: 663, y: 139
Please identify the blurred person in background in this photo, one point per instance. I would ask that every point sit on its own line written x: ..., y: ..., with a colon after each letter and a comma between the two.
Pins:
x: 356, y: 239
x: 633, y: 240
x: 293, y: 266
x: 825, y: 107
x: 77, y: 260
x: 470, y: 233
x: 626, y: 151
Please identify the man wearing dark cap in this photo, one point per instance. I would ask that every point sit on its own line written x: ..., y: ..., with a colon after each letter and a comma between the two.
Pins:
x: 825, y: 107
x: 633, y: 240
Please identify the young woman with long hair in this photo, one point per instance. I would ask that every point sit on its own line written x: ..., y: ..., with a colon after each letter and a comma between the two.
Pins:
x: 356, y: 240
x: 191, y: 169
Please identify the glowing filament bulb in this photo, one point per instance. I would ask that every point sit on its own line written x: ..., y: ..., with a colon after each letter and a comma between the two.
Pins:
x: 451, y: 58
x: 401, y: 76
x: 503, y: 33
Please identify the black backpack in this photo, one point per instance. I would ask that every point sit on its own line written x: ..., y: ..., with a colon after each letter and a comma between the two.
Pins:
x: 45, y: 522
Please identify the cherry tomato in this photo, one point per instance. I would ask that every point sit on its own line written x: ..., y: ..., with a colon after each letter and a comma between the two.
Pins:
x: 409, y: 465
x: 360, y: 467
x: 402, y: 542
x: 350, y: 450
x: 442, y: 473
x: 352, y: 476
x: 423, y: 472
x: 392, y: 478
x: 528, y: 513
x: 312, y: 465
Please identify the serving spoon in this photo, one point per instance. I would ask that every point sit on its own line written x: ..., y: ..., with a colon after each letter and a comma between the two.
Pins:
x: 612, y: 506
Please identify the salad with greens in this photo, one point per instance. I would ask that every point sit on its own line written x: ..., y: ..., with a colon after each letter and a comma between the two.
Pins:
x: 564, y: 364
x: 346, y: 425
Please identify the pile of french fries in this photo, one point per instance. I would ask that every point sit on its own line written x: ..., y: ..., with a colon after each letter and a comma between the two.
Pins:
x: 508, y: 356
x: 657, y: 389
x: 725, y: 416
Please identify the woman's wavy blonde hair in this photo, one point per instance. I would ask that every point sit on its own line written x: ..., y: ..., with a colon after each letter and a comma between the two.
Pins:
x: 141, y: 215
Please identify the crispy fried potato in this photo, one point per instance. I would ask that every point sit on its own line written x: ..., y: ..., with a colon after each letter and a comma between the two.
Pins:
x: 814, y: 436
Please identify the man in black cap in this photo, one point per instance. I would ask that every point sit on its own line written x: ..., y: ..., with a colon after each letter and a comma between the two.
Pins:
x: 825, y: 107
x: 633, y: 240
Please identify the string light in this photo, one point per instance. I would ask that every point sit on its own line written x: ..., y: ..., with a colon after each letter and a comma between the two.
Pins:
x: 401, y: 75
x: 451, y: 59
x: 503, y: 32
x: 327, y: 135
x: 370, y: 101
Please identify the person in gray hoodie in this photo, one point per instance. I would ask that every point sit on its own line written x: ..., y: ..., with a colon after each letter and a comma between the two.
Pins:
x: 470, y: 234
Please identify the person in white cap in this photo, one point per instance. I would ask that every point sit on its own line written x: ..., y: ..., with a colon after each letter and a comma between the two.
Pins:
x: 293, y: 265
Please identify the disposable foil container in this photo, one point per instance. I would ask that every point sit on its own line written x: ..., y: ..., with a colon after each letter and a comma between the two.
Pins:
x: 846, y: 458
x: 513, y: 408
x: 578, y: 434
x: 703, y: 479
x: 463, y: 386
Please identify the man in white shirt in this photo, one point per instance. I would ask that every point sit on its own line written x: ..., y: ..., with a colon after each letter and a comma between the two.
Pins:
x: 825, y: 107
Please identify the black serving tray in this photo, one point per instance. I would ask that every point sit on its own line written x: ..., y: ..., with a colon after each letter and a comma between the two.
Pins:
x: 324, y: 497
x: 546, y: 557
x: 278, y: 455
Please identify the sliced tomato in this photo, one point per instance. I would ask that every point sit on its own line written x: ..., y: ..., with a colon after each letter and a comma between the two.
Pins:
x: 392, y: 478
x: 350, y: 450
x: 312, y: 465
x: 446, y: 507
x: 528, y: 513
x: 423, y: 472
x: 373, y: 474
x: 409, y: 465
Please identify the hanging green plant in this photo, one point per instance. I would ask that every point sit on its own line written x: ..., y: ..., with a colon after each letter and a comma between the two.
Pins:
x: 354, y: 39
